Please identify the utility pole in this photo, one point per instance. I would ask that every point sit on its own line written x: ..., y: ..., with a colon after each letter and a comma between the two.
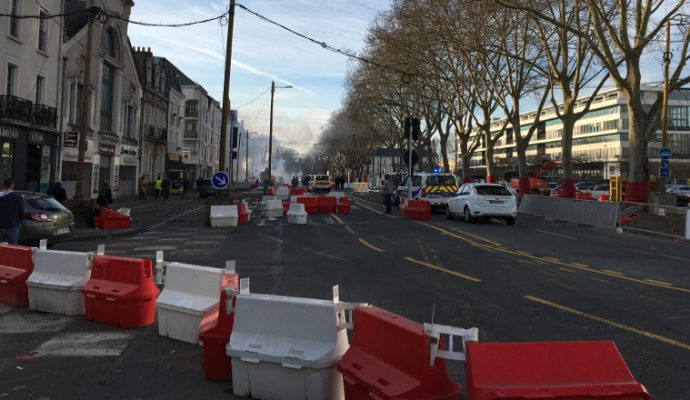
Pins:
x: 246, y: 156
x: 226, y: 93
x: 83, y: 144
x: 270, y: 138
x: 664, y: 104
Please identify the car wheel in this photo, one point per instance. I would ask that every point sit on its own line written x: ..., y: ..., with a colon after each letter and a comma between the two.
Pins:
x: 467, y: 215
x: 449, y: 215
x: 510, y: 221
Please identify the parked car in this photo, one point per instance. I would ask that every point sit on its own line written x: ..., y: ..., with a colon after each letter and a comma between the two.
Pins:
x: 585, y: 186
x: 206, y: 188
x: 44, y: 218
x: 599, y: 190
x: 483, y: 200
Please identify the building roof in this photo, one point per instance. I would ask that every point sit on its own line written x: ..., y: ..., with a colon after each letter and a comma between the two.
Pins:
x: 74, y: 20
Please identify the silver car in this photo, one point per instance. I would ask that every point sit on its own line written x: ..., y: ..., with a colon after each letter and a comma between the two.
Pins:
x: 44, y: 218
x: 482, y: 200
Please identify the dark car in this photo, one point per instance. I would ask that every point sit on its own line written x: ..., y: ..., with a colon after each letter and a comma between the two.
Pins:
x: 206, y: 188
x: 44, y: 218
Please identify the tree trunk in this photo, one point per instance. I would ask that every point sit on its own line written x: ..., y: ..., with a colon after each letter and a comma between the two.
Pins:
x: 430, y: 155
x: 444, y: 154
x: 637, y: 126
x: 567, y: 145
x: 489, y: 153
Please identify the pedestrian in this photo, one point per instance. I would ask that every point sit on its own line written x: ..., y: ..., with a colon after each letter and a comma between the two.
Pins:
x: 142, y: 188
x: 165, y: 186
x: 305, y: 181
x: 105, y: 195
x: 11, y: 213
x: 58, y: 192
x: 157, y: 186
x: 388, y: 190
x: 295, y: 182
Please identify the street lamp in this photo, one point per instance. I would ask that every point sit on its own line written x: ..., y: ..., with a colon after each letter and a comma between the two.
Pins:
x: 270, y: 128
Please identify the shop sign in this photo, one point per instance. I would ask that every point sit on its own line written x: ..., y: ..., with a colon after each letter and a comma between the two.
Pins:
x: 126, y: 150
x: 9, y: 133
x: 70, y: 139
x: 36, y: 137
x: 104, y: 148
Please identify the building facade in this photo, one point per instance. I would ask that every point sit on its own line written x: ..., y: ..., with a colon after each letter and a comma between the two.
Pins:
x: 201, y: 130
x: 600, y: 139
x: 29, y: 97
x: 114, y: 94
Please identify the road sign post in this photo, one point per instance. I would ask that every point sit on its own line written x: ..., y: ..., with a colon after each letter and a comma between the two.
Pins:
x: 220, y: 180
x: 664, y: 163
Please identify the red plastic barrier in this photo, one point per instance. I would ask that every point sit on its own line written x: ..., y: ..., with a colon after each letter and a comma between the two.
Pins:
x: 286, y: 206
x: 389, y: 359
x: 111, y: 219
x: 556, y: 193
x: 419, y: 210
x: 243, y: 213
x: 217, y: 365
x: 120, y: 292
x: 491, y: 179
x: 566, y: 370
x: 16, y: 264
x: 568, y: 190
x: 270, y: 192
x: 637, y: 192
x: 584, y: 196
x: 524, y: 185
x: 343, y: 205
x: 298, y: 192
x: 604, y: 197
x: 466, y: 180
x: 310, y: 204
x: 327, y: 204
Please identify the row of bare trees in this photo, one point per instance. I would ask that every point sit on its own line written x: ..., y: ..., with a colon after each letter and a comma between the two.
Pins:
x: 458, y: 64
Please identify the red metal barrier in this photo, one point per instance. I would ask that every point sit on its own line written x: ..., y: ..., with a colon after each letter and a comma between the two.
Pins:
x: 16, y: 264
x: 217, y: 365
x: 120, y: 292
x: 111, y: 219
x: 327, y: 204
x: 343, y: 205
x: 389, y: 359
x: 567, y: 189
x: 565, y: 370
x: 310, y: 204
x: 419, y: 210
x: 637, y: 192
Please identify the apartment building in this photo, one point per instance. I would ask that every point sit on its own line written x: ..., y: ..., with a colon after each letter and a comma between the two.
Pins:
x: 29, y: 96
x: 201, y: 135
x: 600, y: 140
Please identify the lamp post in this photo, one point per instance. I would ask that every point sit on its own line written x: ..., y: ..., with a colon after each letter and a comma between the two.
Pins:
x: 270, y: 129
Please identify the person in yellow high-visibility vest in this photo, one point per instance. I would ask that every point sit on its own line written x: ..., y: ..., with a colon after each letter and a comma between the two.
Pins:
x: 157, y: 186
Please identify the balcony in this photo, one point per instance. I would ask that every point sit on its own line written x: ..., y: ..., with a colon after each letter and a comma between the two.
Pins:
x: 156, y: 133
x: 191, y: 113
x: 13, y: 107
x: 45, y: 115
x: 191, y: 135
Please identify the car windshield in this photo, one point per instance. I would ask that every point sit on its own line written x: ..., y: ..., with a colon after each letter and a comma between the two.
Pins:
x: 440, y: 180
x: 322, y: 178
x: 44, y: 203
x: 493, y: 191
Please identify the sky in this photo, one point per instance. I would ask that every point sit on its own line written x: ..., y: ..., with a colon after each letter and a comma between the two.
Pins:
x: 262, y: 53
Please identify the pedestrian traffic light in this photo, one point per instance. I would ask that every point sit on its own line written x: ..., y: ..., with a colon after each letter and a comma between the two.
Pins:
x: 416, y: 130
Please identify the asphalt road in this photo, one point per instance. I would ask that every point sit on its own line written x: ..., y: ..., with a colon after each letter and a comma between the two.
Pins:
x: 535, y: 281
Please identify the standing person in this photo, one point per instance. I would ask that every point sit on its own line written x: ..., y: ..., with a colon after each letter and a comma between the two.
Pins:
x: 165, y: 185
x: 105, y: 195
x: 294, y: 182
x: 142, y: 188
x: 157, y: 186
x: 58, y: 192
x: 388, y: 190
x: 11, y: 213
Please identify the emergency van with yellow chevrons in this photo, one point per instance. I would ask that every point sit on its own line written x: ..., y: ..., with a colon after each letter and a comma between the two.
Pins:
x: 437, y: 189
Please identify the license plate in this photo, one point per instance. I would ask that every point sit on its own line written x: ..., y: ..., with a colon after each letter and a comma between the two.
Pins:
x: 61, y: 231
x: 495, y: 202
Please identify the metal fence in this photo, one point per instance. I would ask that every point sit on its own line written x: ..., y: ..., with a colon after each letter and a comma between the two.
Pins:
x: 585, y: 212
x: 656, y: 219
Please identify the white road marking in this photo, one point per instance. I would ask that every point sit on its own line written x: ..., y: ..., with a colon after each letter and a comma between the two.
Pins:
x: 32, y: 322
x: 86, y: 344
x: 155, y: 248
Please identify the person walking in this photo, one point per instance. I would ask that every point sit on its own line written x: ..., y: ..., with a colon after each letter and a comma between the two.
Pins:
x: 388, y: 190
x: 105, y: 195
x: 11, y: 213
x: 58, y: 192
x: 142, y: 188
x: 157, y: 186
x: 165, y: 186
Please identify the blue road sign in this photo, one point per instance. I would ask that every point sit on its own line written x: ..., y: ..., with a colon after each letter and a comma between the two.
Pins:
x: 220, y: 180
x: 665, y: 163
x: 664, y: 172
x: 664, y: 152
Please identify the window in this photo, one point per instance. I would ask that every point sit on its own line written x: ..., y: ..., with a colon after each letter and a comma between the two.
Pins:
x: 129, y: 121
x: 40, y: 88
x: 11, y: 84
x: 108, y: 43
x: 107, y: 86
x: 14, y: 20
x: 75, y: 91
x: 679, y: 117
x: 191, y: 108
x: 42, y: 34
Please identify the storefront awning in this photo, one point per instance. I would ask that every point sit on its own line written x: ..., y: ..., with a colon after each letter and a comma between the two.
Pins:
x: 175, y: 165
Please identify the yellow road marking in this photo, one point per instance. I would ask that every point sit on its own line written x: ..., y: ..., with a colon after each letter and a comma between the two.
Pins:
x: 551, y: 259
x: 337, y: 218
x: 447, y: 271
x: 659, y: 282
x: 580, y: 265
x: 649, y: 253
x: 616, y: 273
x: 347, y: 228
x: 614, y: 324
x: 567, y: 270
x: 557, y: 234
x: 371, y: 246
x: 491, y: 242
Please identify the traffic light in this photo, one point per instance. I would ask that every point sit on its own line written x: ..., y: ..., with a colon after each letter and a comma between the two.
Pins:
x: 416, y: 130
x: 234, y: 154
x: 235, y: 141
x: 408, y: 126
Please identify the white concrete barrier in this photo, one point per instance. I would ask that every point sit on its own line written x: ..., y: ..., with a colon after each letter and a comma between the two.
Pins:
x: 188, y: 301
x: 222, y: 216
x: 297, y: 214
x: 273, y: 209
x: 287, y: 348
x: 337, y: 195
x: 57, y: 280
x: 283, y: 193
